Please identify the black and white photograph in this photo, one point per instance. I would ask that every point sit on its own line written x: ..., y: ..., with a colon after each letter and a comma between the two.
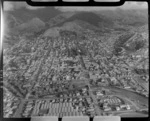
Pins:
x: 75, y: 60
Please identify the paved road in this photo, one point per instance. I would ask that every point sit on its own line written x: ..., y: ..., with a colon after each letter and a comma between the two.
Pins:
x: 35, y: 78
x: 132, y: 114
x: 123, y: 111
x: 130, y: 96
x: 141, y: 82
x: 51, y: 98
x: 127, y: 99
x: 19, y: 110
x: 97, y: 109
x: 36, y: 74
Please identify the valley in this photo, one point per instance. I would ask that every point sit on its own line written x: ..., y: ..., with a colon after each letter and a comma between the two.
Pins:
x: 76, y: 63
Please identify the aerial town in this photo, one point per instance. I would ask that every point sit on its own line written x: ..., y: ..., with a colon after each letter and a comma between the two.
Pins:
x: 77, y: 74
